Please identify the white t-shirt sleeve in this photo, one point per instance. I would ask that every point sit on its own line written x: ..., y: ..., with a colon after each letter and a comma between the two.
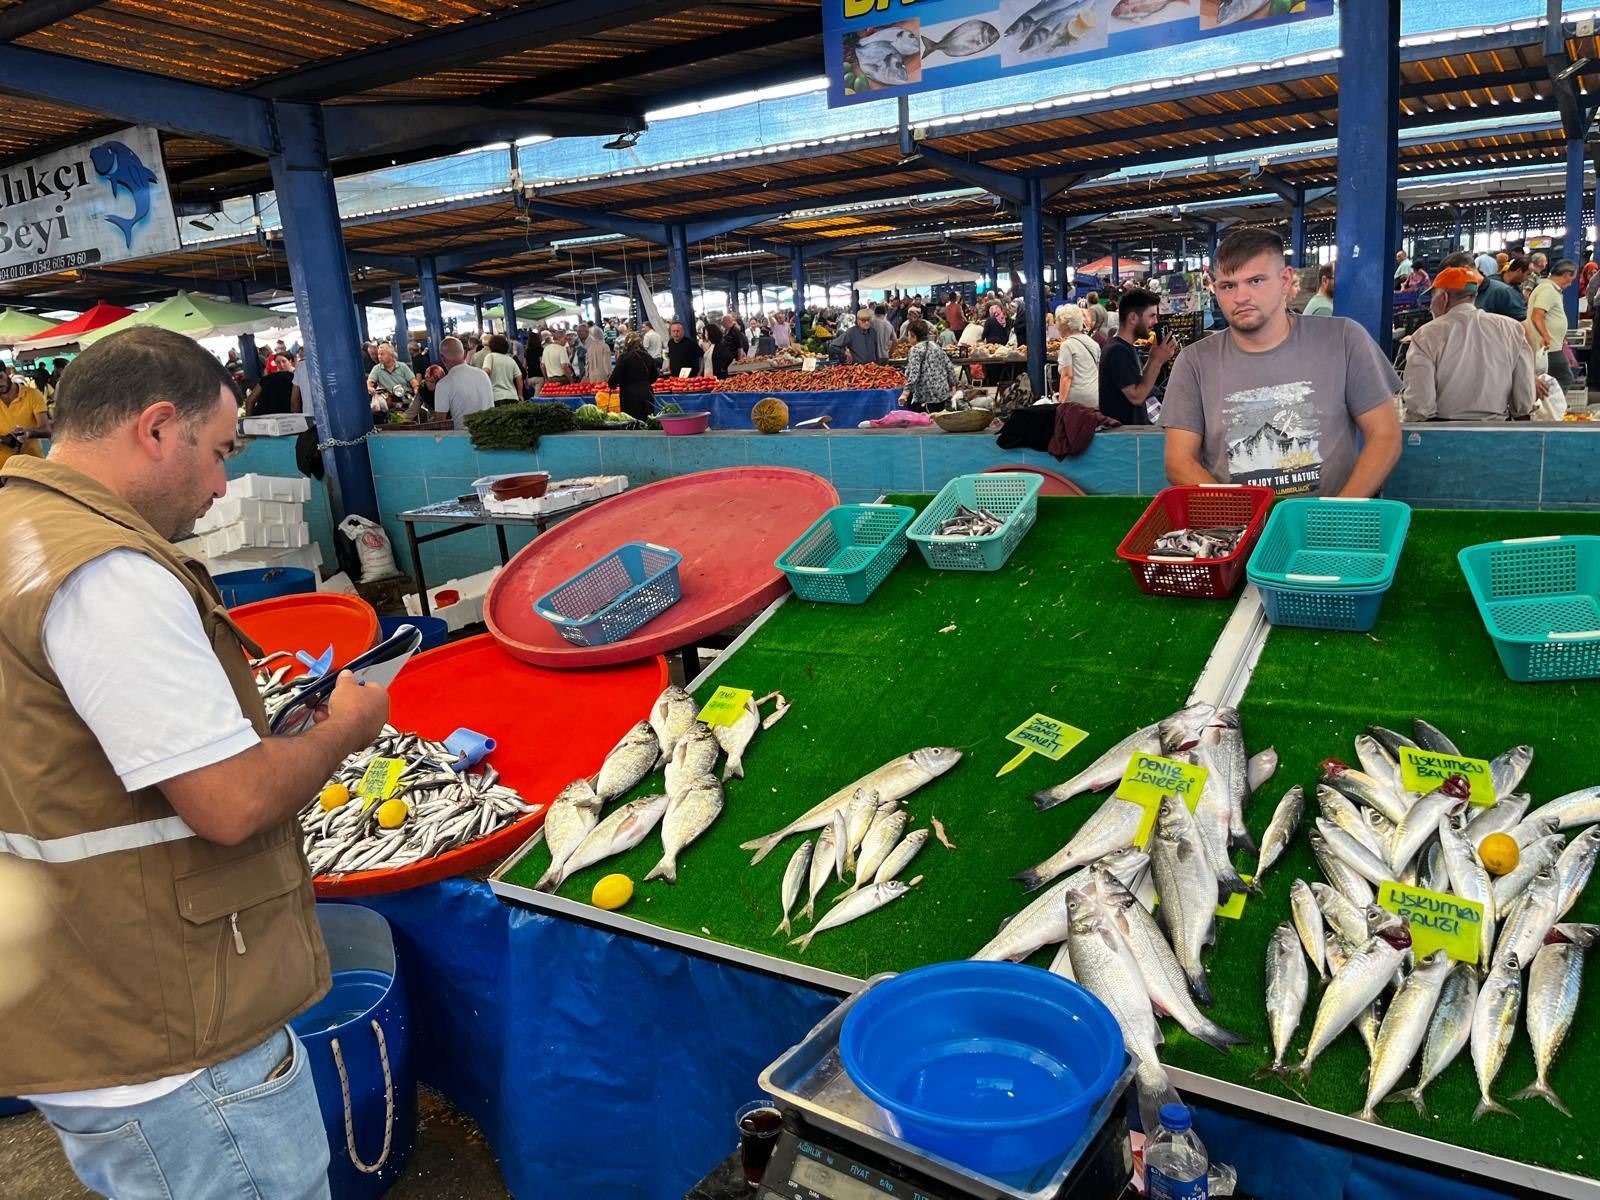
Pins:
x: 124, y: 638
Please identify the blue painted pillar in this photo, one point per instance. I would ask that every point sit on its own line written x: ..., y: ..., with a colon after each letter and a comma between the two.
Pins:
x: 250, y: 357
x: 1061, y: 255
x: 1576, y: 162
x: 1116, y: 265
x: 1033, y: 267
x: 320, y: 275
x: 432, y: 312
x: 398, y: 303
x: 361, y: 321
x: 1369, y: 119
x: 797, y: 276
x: 508, y: 306
x: 855, y: 295
x: 678, y: 277
x: 1297, y: 229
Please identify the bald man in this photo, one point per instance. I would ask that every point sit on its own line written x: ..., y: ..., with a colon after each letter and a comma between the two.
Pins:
x: 465, y: 389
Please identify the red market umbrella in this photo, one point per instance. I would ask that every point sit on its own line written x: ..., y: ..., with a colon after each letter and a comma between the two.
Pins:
x: 67, y: 334
x: 1102, y: 267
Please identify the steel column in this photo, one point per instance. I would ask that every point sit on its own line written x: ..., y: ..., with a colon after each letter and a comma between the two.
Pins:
x: 1061, y: 256
x: 1033, y: 267
x: 250, y: 357
x: 432, y: 313
x: 598, y: 316
x: 320, y: 275
x: 678, y: 280
x: 477, y: 314
x: 361, y: 321
x: 1116, y: 264
x: 1369, y: 129
x: 398, y: 303
x: 1577, y: 161
x: 508, y: 306
x: 797, y: 275
x: 994, y: 271
x: 855, y: 294
x: 1297, y: 228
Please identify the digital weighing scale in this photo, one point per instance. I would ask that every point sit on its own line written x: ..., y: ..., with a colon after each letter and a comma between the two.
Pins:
x: 838, y: 1145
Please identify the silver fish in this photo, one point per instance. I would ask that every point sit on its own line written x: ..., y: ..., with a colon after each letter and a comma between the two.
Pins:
x: 1233, y: 760
x: 670, y: 717
x: 1043, y: 921
x: 1507, y: 770
x: 1422, y: 823
x: 895, y: 780
x: 1390, y: 741
x: 1364, y: 789
x: 573, y: 814
x: 1554, y: 983
x: 1103, y: 771
x: 841, y: 842
x: 966, y: 39
x: 696, y: 808
x: 1338, y: 809
x: 897, y: 37
x: 881, y: 839
x: 880, y: 62
x: 900, y: 857
x: 858, y: 817
x: 1501, y: 817
x: 1349, y: 881
x: 1575, y: 866
x: 1263, y: 765
x: 1536, y: 857
x: 1378, y: 763
x: 1231, y: 11
x: 1404, y: 1028
x: 621, y: 831
x: 1280, y: 831
x: 1432, y: 873
x: 794, y: 878
x: 1061, y: 31
x: 1494, y: 1024
x: 1353, y: 853
x: 735, y: 739
x: 630, y: 760
x: 1343, y: 916
x: 1287, y: 986
x: 1531, y: 918
x: 1188, y: 889
x: 857, y: 906
x: 1470, y: 881
x: 822, y: 865
x: 1448, y: 1031
x: 1364, y: 976
x: 1533, y: 829
x: 1430, y: 738
x: 694, y: 755
x: 1045, y: 12
x: 1368, y: 1023
x: 1575, y: 808
x: 1308, y: 924
x: 1111, y: 827
x: 1212, y: 818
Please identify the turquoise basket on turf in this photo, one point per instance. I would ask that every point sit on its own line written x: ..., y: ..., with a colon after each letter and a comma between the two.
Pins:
x: 848, y: 551
x: 1328, y: 563
x: 1013, y: 498
x: 1539, y: 599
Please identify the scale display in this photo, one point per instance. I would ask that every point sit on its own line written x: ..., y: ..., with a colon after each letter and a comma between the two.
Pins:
x: 824, y: 1181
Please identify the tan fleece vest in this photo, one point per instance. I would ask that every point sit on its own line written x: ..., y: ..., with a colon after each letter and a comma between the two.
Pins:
x: 157, y: 958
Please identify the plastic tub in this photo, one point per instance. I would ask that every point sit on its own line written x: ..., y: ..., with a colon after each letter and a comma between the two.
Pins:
x: 993, y: 1065
x: 246, y: 587
x: 435, y: 631
x: 1540, y: 603
x: 609, y: 599
x: 847, y: 552
x: 685, y: 423
x: 1198, y: 507
x: 310, y: 623
x: 1331, y: 543
x: 1014, y: 499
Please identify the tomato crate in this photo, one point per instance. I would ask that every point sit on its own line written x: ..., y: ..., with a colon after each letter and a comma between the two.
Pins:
x: 1195, y: 507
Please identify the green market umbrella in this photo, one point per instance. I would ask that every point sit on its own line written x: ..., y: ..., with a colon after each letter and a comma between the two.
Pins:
x: 197, y: 317
x: 14, y: 326
x: 538, y: 310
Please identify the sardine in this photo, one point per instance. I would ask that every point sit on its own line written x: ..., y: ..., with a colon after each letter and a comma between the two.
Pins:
x: 1364, y: 976
x: 630, y: 760
x: 794, y: 878
x: 1470, y: 881
x: 735, y: 739
x: 1188, y: 889
x: 857, y: 906
x: 1575, y: 866
x: 697, y: 807
x: 670, y: 718
x: 1280, y: 831
x: 1404, y: 1028
x: 881, y: 838
x: 1110, y: 828
x: 900, y: 857
x: 966, y: 39
x: 1287, y: 986
x: 621, y: 831
x: 1307, y: 916
x: 1431, y: 739
x: 1103, y: 771
x: 1494, y: 1024
x: 1448, y: 1031
x: 822, y: 865
x: 1554, y: 984
x: 573, y: 814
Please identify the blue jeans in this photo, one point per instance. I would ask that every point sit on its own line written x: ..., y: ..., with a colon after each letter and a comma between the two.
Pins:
x: 245, y: 1129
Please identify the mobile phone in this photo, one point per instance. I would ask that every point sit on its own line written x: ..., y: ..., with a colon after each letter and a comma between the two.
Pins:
x: 1162, y: 331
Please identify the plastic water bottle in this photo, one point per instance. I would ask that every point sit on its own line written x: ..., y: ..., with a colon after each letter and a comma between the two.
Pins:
x: 1175, y: 1164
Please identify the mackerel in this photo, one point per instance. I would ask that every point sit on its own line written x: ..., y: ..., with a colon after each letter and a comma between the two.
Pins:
x: 1404, y: 1028
x: 1554, y: 984
x: 1448, y: 1031
x: 1287, y: 985
x: 1280, y: 831
x: 1364, y: 976
x: 1494, y: 1024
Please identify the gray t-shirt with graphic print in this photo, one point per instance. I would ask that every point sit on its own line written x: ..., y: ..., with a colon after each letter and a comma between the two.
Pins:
x: 1283, y: 418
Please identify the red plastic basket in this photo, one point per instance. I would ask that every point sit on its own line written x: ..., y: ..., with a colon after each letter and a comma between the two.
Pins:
x: 1195, y: 507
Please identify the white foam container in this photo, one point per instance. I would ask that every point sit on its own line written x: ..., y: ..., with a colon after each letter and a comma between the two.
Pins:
x: 275, y: 425
x: 295, y: 489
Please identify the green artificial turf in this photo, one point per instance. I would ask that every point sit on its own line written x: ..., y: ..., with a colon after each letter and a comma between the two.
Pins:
x: 1311, y: 694
x: 1061, y: 630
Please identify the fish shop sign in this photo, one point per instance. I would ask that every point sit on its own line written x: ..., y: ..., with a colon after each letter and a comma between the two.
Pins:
x: 879, y: 48
x: 97, y: 202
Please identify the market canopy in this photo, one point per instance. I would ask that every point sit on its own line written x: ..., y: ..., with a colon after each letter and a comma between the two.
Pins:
x: 14, y: 326
x: 538, y: 310
x: 916, y: 273
x: 70, y: 333
x: 1102, y: 267
x: 196, y: 317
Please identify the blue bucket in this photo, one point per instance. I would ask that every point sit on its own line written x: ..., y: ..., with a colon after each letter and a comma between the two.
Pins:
x: 434, y: 630
x: 246, y: 587
x: 993, y: 1065
x: 358, y: 1038
x: 10, y: 1106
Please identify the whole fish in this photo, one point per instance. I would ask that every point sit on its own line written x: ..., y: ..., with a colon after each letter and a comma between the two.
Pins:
x: 1430, y: 738
x: 1343, y: 877
x: 841, y: 843
x: 1044, y: 920
x: 1381, y: 828
x: 1308, y: 923
x: 1448, y: 1031
x: 1431, y: 871
x: 670, y: 718
x: 1506, y: 770
x: 1532, y: 829
x: 857, y: 906
x: 735, y: 739
x: 1262, y: 766
x: 621, y: 831
x: 881, y: 839
x: 1500, y: 817
x: 794, y: 878
x: 1364, y: 789
x: 699, y: 804
x: 858, y: 817
x: 694, y: 755
x: 1470, y: 881
x: 900, y: 857
x: 1230, y: 11
x: 1377, y: 762
x: 1530, y: 919
x: 1183, y: 730
x: 894, y: 780
x: 1141, y: 10
x: 1422, y: 822
x: 1554, y: 983
x: 572, y: 815
x: 1280, y: 831
x: 1111, y: 827
x: 1061, y: 30
x: 1365, y: 974
x: 1353, y: 853
x: 1390, y: 741
x: 966, y: 39
x: 1045, y: 12
x: 1338, y: 809
x: 1103, y: 771
x: 1404, y: 1028
x: 1233, y: 761
x: 880, y: 62
x: 1212, y: 818
x: 822, y: 864
x: 1573, y: 868
x: 1188, y: 889
x: 1369, y: 1022
x: 1494, y: 1024
x: 897, y: 37
x: 1540, y: 855
x: 1287, y: 986
x: 1575, y: 808
x: 1343, y: 917
x: 630, y: 760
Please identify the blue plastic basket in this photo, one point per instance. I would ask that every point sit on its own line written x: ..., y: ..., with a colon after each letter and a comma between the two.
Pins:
x: 1540, y: 602
x: 1013, y: 498
x: 1330, y: 543
x: 1313, y: 608
x: 604, y: 603
x: 848, y: 551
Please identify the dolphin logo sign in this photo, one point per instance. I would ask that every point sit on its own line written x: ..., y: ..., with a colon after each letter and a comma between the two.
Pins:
x: 122, y: 169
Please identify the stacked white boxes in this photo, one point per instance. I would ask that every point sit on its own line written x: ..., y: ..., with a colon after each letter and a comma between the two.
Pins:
x: 260, y: 524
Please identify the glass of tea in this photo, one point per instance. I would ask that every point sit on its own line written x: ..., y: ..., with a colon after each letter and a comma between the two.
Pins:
x: 759, y: 1123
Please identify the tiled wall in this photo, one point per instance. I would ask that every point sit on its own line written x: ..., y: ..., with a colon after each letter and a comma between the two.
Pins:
x: 1440, y: 467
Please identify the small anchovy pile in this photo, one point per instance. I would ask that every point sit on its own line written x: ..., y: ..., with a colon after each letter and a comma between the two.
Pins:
x: 968, y: 522
x: 276, y: 691
x: 447, y: 809
x: 1218, y: 542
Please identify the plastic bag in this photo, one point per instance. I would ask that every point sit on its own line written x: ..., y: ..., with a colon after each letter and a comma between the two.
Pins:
x: 372, y: 548
x: 1553, y: 407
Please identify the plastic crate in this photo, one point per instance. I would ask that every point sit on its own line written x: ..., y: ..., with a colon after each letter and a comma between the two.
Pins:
x: 1012, y: 498
x: 1195, y: 508
x: 1330, y: 544
x: 1348, y: 610
x: 604, y: 603
x: 1540, y: 603
x: 848, y: 551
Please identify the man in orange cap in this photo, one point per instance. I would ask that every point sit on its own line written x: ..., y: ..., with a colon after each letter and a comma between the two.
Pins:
x: 1467, y: 364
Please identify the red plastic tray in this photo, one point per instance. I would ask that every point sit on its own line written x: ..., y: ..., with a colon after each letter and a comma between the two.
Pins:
x: 1055, y: 483
x: 1185, y: 507
x: 310, y: 621
x: 730, y: 525
x: 552, y: 727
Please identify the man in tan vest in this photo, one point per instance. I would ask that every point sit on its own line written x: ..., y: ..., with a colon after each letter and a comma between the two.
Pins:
x: 147, y: 811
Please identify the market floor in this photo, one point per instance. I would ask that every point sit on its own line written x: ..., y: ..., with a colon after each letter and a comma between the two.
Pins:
x: 451, y: 1161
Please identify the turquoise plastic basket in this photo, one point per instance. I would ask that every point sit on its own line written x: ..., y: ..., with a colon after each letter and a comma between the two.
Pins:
x: 1330, y: 544
x: 848, y: 551
x: 1540, y: 602
x: 1012, y: 498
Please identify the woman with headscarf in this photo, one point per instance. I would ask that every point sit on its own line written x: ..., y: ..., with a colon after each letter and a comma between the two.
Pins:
x: 597, y: 364
x: 930, y: 375
x: 995, y: 329
x: 633, y: 376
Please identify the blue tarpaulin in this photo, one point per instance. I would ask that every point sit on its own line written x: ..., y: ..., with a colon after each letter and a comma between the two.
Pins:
x: 731, y: 410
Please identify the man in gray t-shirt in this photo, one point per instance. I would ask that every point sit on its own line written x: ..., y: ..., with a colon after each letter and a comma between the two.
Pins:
x: 1303, y: 407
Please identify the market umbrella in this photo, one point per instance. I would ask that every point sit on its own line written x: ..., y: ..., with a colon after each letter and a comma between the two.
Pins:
x: 917, y: 273
x: 538, y: 310
x: 14, y: 326
x: 1102, y: 267
x: 70, y: 333
x: 196, y: 317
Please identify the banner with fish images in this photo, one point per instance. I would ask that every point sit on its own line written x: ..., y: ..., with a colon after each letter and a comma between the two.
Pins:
x: 880, y: 48
x: 100, y: 201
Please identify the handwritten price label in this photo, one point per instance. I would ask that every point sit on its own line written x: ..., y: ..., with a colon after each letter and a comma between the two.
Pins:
x: 1422, y: 771
x: 380, y: 779
x: 725, y: 706
x: 1044, y: 735
x: 1438, y: 921
x: 1149, y: 777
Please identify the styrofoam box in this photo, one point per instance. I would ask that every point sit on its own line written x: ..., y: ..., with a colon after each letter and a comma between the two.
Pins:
x: 466, y: 611
x: 296, y: 489
x: 250, y: 535
x: 276, y: 425
x: 232, y: 509
x: 309, y: 557
x: 561, y: 495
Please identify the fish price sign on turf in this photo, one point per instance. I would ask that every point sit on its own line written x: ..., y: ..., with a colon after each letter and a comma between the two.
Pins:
x: 99, y: 201
x: 1149, y: 777
x: 1438, y: 921
x: 879, y: 48
x: 1423, y: 771
x: 1044, y: 735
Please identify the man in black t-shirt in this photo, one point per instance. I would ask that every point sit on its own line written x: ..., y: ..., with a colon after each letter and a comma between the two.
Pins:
x: 682, y: 352
x: 1125, y: 387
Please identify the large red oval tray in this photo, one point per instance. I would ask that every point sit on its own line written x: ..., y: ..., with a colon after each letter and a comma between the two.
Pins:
x: 729, y: 525
x: 552, y: 727
x: 309, y: 621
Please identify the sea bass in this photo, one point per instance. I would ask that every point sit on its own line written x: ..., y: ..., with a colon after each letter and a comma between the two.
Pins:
x: 1110, y: 828
x: 1448, y: 1031
x: 573, y: 814
x: 1287, y: 985
x: 794, y: 878
x: 1187, y: 887
x: 1554, y: 983
x: 1404, y: 1027
x: 621, y: 831
x: 630, y: 760
x: 696, y: 808
x: 857, y: 906
x: 1494, y: 1024
x: 1045, y: 920
x: 1103, y: 771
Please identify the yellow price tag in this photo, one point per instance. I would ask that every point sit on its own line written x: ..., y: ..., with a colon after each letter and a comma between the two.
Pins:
x: 1422, y: 771
x: 1150, y: 777
x: 1234, y: 908
x: 1044, y: 735
x: 380, y: 779
x: 1438, y: 921
x: 725, y: 706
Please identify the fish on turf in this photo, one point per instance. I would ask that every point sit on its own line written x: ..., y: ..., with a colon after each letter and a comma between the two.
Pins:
x: 895, y: 780
x: 858, y: 817
x: 735, y: 739
x: 1404, y: 1028
x: 695, y: 755
x: 1390, y: 741
x: 1432, y: 739
x: 900, y: 857
x: 1422, y: 822
x: 573, y: 814
x: 1377, y: 762
x: 1280, y: 831
x: 1359, y: 982
x: 1353, y: 853
x: 1111, y: 827
x: 1500, y: 817
x: 1212, y: 814
x: 1288, y: 983
x: 841, y: 842
x: 1470, y: 881
x: 880, y: 841
x: 1308, y: 924
x: 1188, y: 889
x: 630, y: 760
x: 1235, y: 761
x: 822, y: 864
x: 1347, y: 880
x: 1494, y: 1024
x: 1530, y: 919
x: 670, y: 718
x: 1575, y: 866
x: 1448, y: 1031
x: 1338, y: 809
x: 1575, y: 808
x: 1508, y: 768
x: 857, y: 906
x: 1364, y: 789
x: 1343, y: 917
x: 700, y: 804
x: 621, y: 831
x: 1103, y: 771
x: 794, y: 878
x: 1531, y: 829
x: 1537, y: 856
x: 1554, y: 983
x: 1044, y: 920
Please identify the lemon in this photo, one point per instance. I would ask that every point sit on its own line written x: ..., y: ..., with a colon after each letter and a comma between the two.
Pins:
x: 392, y: 813
x: 612, y: 892
x: 335, y: 795
x: 1499, y: 852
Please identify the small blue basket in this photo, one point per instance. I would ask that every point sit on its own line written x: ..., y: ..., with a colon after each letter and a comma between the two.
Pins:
x: 1013, y: 498
x: 1311, y: 608
x: 604, y: 603
x: 848, y: 551
x: 1539, y: 598
x: 1330, y: 543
